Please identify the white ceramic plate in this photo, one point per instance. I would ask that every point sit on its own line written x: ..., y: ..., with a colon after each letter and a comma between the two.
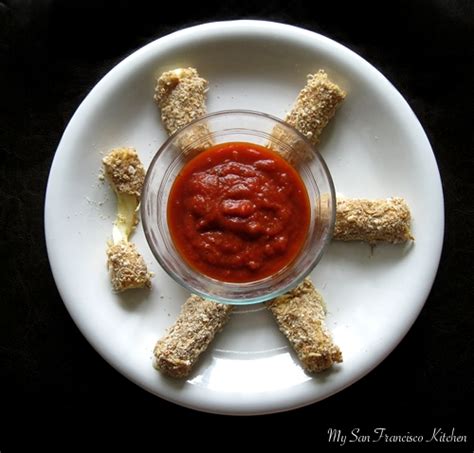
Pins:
x: 375, y: 147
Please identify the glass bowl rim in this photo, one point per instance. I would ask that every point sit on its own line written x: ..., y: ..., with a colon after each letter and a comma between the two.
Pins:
x: 248, y: 300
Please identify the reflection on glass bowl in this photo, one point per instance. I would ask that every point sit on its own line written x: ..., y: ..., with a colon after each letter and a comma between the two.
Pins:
x: 237, y: 126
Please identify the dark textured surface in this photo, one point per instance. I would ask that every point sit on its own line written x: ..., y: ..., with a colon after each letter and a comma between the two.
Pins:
x: 52, y: 53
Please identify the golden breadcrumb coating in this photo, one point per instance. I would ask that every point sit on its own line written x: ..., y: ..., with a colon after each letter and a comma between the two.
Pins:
x: 127, y: 267
x: 315, y: 106
x: 181, y: 96
x: 372, y: 221
x: 300, y: 316
x: 125, y: 171
x: 197, y: 324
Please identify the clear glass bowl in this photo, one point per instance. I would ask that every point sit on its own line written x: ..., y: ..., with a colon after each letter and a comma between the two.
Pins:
x: 237, y: 126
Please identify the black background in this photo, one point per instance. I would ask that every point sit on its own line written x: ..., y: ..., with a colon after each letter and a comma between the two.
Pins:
x: 54, y: 52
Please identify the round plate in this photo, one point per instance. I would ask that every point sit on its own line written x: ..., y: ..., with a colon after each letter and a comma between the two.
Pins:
x: 375, y: 148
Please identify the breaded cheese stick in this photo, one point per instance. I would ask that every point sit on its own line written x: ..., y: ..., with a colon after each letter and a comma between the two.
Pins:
x: 197, y: 324
x: 181, y: 97
x: 372, y: 221
x: 126, y: 174
x: 300, y: 315
x: 315, y: 105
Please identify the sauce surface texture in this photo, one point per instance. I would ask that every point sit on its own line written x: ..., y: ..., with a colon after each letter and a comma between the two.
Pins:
x: 238, y: 212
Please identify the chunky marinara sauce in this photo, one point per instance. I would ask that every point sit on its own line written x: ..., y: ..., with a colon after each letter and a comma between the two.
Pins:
x: 238, y: 212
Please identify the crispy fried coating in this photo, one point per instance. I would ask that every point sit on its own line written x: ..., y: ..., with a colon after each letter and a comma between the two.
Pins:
x: 314, y: 107
x: 125, y: 171
x: 181, y: 97
x: 300, y: 315
x: 127, y: 267
x: 372, y: 221
x: 197, y: 324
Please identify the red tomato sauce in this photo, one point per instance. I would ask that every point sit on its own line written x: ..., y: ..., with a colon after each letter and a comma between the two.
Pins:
x: 238, y: 212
